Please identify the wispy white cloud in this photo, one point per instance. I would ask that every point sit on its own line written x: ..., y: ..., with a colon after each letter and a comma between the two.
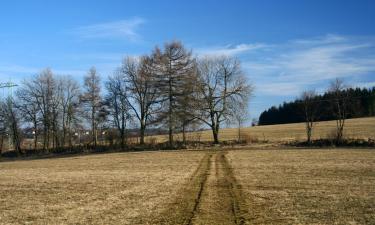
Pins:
x: 115, y: 29
x: 17, y: 73
x: 294, y: 66
x: 279, y: 88
x: 364, y: 84
x: 230, y: 50
x: 327, y: 39
x: 11, y: 69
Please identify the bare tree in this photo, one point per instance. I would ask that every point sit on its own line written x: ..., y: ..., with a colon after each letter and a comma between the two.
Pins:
x: 339, y: 104
x: 70, y: 106
x: 91, y: 98
x: 28, y: 105
x: 174, y: 66
x: 2, y: 128
x: 221, y: 82
x: 239, y: 113
x: 117, y: 103
x: 309, y: 109
x: 142, y: 93
x: 41, y: 89
x: 11, y: 118
x: 187, y: 104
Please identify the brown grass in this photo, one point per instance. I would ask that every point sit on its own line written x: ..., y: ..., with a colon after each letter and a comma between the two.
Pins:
x: 117, y: 188
x: 307, y: 186
x: 192, y: 187
x: 362, y: 128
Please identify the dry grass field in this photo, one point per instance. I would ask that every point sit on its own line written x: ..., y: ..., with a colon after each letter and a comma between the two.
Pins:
x: 307, y: 186
x: 362, y: 128
x: 192, y: 187
x: 121, y: 188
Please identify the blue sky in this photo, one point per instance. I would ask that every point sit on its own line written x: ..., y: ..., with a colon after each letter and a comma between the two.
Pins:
x: 285, y: 46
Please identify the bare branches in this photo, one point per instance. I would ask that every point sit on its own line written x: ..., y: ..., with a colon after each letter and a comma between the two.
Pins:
x: 118, y: 104
x: 173, y: 69
x: 221, y: 84
x: 92, y: 99
x: 141, y: 91
x: 167, y: 89
x: 309, y: 106
x: 339, y: 106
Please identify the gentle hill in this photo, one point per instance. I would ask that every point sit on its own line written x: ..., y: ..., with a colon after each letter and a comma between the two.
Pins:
x: 363, y: 128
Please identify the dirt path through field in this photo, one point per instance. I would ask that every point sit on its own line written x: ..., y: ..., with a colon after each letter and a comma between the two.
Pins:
x: 212, y: 196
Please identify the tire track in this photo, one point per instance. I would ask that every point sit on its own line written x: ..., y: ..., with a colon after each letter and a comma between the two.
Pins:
x: 202, y: 185
x: 211, y: 196
x: 221, y: 200
x: 183, y: 209
x: 239, y: 209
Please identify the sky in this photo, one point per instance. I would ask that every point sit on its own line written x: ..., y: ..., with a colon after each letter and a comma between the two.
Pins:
x: 285, y: 47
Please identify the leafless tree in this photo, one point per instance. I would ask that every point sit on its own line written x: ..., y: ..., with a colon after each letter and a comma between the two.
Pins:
x: 221, y: 82
x: 339, y: 105
x: 187, y: 104
x: 118, y: 106
x: 239, y: 113
x: 41, y: 89
x: 92, y: 100
x: 2, y: 129
x: 28, y: 105
x: 10, y: 116
x: 309, y: 109
x: 141, y: 90
x: 70, y: 107
x: 174, y: 66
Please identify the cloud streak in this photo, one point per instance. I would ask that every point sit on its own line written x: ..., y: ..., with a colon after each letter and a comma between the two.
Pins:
x: 297, y: 65
x: 116, y: 29
x: 230, y: 50
x: 286, y: 69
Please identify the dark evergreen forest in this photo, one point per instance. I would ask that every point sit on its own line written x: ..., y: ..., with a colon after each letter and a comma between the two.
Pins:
x: 360, y: 103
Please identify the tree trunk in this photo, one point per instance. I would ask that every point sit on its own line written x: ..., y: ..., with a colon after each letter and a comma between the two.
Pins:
x: 16, y: 136
x: 93, y: 125
x: 170, y: 135
x: 35, y: 134
x: 215, y: 134
x: 142, y: 133
x: 1, y: 144
x: 308, y: 130
x: 64, y: 134
x: 69, y: 132
x: 122, y: 136
x: 183, y: 134
x: 35, y: 140
x: 45, y: 137
x: 170, y: 112
x: 239, y: 131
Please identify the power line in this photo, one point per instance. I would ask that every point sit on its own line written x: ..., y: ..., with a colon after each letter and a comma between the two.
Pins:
x: 8, y: 85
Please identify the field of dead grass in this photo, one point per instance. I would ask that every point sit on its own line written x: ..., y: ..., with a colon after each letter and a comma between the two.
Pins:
x: 120, y: 188
x: 362, y: 128
x: 307, y: 186
x: 296, y: 186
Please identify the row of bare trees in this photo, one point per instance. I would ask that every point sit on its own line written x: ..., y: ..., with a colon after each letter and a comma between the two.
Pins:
x: 168, y: 89
x: 339, y: 102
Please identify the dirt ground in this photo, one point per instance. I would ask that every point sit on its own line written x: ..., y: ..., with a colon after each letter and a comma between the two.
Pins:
x: 192, y: 187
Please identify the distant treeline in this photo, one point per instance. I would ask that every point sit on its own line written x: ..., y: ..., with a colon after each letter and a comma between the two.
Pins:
x: 360, y: 103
